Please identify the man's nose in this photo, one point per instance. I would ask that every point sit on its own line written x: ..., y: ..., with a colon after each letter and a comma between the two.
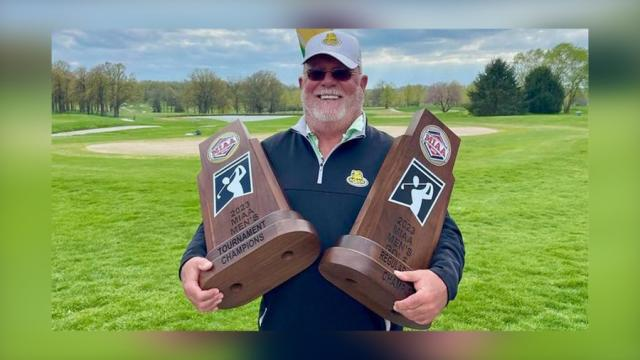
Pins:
x: 328, y: 79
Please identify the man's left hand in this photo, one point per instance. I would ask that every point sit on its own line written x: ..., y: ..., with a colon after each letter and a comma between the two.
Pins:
x: 428, y: 301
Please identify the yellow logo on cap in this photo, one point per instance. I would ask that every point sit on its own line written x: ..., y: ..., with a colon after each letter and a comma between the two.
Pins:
x: 357, y: 179
x: 331, y: 39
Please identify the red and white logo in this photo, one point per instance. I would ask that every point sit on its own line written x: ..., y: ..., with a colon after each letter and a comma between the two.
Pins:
x: 435, y: 145
x: 223, y: 147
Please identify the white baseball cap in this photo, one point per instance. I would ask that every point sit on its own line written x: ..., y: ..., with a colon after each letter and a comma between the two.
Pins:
x: 340, y: 45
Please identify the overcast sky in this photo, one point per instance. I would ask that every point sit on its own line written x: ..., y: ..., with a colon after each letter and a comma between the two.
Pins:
x: 397, y: 56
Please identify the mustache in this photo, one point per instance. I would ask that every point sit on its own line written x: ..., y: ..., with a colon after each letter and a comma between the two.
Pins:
x: 328, y: 92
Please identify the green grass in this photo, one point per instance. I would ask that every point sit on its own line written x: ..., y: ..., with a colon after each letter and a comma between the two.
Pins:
x: 120, y: 225
x: 70, y: 122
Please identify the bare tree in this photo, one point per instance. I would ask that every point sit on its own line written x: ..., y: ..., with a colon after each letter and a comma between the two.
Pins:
x: 120, y: 86
x: 445, y: 95
x: 80, y: 89
x: 98, y: 88
x: 61, y: 78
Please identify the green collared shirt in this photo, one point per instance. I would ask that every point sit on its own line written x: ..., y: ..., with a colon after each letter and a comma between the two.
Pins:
x: 357, y: 129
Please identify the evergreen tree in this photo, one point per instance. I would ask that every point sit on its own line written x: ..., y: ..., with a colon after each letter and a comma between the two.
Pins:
x: 495, y: 91
x: 543, y: 91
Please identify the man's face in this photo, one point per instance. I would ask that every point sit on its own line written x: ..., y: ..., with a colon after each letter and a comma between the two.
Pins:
x: 331, y: 100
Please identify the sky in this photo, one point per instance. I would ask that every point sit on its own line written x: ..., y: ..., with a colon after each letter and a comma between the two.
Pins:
x: 397, y: 56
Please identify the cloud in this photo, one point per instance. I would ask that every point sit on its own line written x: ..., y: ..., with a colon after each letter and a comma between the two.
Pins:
x: 172, y: 54
x: 465, y: 47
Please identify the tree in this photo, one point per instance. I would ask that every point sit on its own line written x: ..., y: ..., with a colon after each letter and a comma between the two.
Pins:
x: 571, y: 65
x: 119, y: 84
x: 80, y: 91
x: 445, y: 95
x: 203, y: 90
x: 290, y: 100
x: 543, y: 91
x: 262, y: 91
x: 61, y: 78
x: 155, y: 97
x: 372, y: 97
x: 235, y: 94
x: 568, y: 62
x: 163, y: 96
x: 221, y: 97
x: 172, y: 96
x: 495, y: 91
x: 412, y: 94
x: 523, y: 63
x: 276, y: 89
x: 387, y: 94
x: 98, y: 88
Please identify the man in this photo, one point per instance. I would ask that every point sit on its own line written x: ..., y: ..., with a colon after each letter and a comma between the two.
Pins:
x: 312, y: 161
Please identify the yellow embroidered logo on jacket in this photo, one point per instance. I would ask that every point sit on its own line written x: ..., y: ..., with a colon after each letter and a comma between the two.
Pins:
x: 331, y: 39
x: 357, y: 179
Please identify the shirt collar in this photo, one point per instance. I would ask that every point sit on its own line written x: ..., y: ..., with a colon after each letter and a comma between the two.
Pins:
x: 357, y: 128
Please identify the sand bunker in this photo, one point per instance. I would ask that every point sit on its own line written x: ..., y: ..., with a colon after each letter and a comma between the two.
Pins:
x: 189, y: 147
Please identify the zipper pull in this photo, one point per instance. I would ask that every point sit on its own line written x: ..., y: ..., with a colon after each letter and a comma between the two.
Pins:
x: 319, y: 181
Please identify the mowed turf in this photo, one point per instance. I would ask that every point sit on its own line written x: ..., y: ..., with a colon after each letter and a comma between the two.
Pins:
x: 120, y: 225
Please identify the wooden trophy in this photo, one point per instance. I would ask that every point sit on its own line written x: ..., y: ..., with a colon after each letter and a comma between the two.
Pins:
x: 400, y: 222
x: 255, y: 241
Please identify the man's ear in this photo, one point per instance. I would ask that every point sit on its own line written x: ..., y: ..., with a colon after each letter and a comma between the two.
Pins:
x: 364, y: 79
x: 300, y: 82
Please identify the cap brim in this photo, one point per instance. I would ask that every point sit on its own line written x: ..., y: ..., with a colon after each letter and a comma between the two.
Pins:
x: 343, y: 59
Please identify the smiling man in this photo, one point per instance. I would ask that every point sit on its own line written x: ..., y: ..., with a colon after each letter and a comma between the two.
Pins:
x: 314, y: 163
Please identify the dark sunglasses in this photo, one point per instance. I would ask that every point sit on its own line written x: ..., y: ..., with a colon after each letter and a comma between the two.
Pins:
x: 340, y: 74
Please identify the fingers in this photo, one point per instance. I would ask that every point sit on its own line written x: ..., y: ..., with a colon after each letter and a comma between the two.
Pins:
x: 411, y: 276
x: 414, y: 300
x: 196, y: 294
x: 204, y: 264
x: 417, y: 308
x: 210, y: 304
x: 192, y: 268
x: 203, y: 300
x: 411, y: 302
x: 428, y: 300
x: 206, y: 300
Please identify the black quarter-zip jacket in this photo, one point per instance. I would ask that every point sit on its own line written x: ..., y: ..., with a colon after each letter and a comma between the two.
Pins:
x: 320, y: 193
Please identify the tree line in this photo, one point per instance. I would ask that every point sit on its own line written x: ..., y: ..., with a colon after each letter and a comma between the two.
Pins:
x: 100, y: 90
x: 534, y: 80
x: 538, y: 81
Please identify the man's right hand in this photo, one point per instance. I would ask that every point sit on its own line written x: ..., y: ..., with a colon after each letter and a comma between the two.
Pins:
x: 203, y: 300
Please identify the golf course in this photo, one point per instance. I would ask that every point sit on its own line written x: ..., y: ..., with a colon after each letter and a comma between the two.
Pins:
x: 122, y: 218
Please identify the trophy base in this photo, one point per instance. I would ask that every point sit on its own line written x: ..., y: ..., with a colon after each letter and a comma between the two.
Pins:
x: 261, y: 257
x: 364, y: 270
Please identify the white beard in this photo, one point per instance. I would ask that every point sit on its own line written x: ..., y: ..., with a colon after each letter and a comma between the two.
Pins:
x: 332, y: 112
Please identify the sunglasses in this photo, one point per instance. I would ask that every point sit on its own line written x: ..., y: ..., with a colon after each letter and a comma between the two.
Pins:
x: 340, y: 74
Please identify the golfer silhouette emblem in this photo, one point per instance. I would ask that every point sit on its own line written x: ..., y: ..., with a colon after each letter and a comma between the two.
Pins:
x: 231, y: 182
x: 418, y: 189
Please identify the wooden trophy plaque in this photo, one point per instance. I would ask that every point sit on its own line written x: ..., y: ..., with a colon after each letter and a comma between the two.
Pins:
x: 255, y: 241
x: 400, y: 222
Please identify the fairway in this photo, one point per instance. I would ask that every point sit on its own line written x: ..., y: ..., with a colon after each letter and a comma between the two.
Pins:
x: 121, y: 222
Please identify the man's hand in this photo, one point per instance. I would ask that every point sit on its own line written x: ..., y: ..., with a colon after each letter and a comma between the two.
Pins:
x: 203, y: 300
x: 428, y: 301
